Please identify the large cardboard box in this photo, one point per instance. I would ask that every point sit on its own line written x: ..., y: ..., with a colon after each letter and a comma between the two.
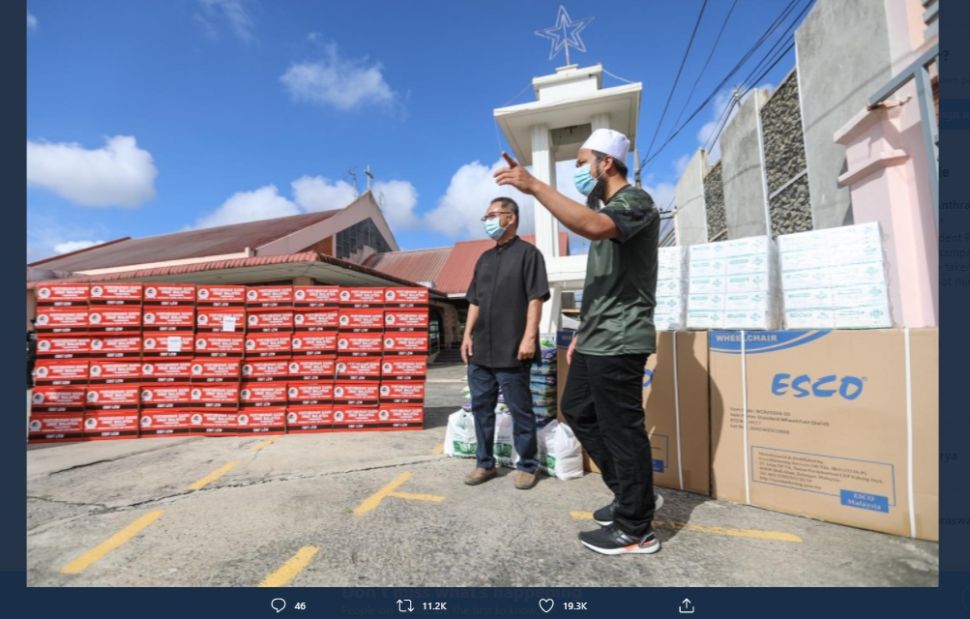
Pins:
x: 677, y: 410
x: 836, y: 425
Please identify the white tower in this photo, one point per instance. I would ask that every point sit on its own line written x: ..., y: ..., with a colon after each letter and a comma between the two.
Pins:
x: 569, y: 105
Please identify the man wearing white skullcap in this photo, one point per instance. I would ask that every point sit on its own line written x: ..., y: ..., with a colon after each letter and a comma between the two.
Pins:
x: 602, y: 401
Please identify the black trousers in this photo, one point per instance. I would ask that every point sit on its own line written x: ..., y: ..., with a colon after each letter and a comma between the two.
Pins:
x: 603, y: 404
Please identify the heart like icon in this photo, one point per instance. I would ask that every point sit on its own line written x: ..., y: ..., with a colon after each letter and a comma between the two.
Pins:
x: 546, y: 604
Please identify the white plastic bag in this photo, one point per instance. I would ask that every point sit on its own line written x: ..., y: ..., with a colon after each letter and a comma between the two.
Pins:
x: 563, y: 455
x: 504, y: 447
x: 460, y: 441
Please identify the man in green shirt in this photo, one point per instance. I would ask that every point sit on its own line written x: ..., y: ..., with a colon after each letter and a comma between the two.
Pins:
x: 603, y: 397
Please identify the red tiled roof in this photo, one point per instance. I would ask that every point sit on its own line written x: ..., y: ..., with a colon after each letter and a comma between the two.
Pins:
x: 216, y: 241
x: 234, y: 263
x: 452, y: 267
x: 422, y: 265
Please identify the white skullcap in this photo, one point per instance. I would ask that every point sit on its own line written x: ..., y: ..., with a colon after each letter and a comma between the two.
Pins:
x: 609, y: 142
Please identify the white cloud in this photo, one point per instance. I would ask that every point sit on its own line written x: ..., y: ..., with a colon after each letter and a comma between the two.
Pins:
x: 339, y: 82
x: 119, y: 174
x: 662, y: 194
x: 69, y: 246
x: 31, y: 22
x: 721, y: 102
x: 317, y: 193
x: 231, y: 14
x: 459, y: 211
x: 398, y: 200
x: 681, y: 164
x: 262, y: 203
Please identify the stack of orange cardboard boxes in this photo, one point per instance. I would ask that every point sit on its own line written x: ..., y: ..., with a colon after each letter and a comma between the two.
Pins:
x: 62, y: 365
x: 360, y: 342
x: 405, y: 365
x: 313, y: 365
x: 215, y: 371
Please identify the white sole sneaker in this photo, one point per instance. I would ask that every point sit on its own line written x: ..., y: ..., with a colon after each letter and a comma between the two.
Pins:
x: 658, y: 500
x: 633, y: 549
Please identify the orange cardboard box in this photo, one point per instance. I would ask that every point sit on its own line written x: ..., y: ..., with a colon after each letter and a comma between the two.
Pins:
x: 215, y: 395
x: 265, y: 420
x: 168, y: 422
x: 269, y: 344
x: 168, y: 317
x: 116, y: 294
x: 262, y: 393
x: 406, y: 297
x: 406, y: 343
x: 401, y: 416
x: 60, y: 319
x: 311, y: 392
x: 166, y: 395
x: 113, y: 424
x: 217, y: 344
x: 63, y: 294
x: 356, y: 417
x: 406, y: 319
x: 65, y: 346
x: 269, y: 296
x: 402, y: 391
x: 170, y: 294
x: 166, y: 369
x: 266, y: 369
x: 302, y: 419
x: 361, y: 344
x: 313, y: 368
x: 56, y: 427
x: 273, y: 319
x: 312, y: 343
x: 220, y: 294
x: 57, y: 398
x: 837, y: 425
x: 361, y: 319
x: 61, y: 371
x: 224, y: 319
x: 115, y: 318
x: 362, y: 297
x: 216, y: 369
x: 169, y: 344
x: 115, y: 371
x: 113, y: 397
x: 316, y: 318
x: 404, y: 368
x: 359, y: 368
x: 316, y: 296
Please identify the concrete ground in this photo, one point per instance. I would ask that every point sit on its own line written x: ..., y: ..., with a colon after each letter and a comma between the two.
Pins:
x: 386, y: 509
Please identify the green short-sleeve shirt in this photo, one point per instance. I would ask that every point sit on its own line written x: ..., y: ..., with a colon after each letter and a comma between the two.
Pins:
x: 621, y: 280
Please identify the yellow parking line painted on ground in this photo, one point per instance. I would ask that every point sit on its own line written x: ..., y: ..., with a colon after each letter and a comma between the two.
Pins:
x: 213, y: 476
x: 289, y: 570
x: 417, y: 497
x: 439, y: 449
x: 98, y: 552
x: 390, y: 489
x: 262, y: 444
x: 775, y: 536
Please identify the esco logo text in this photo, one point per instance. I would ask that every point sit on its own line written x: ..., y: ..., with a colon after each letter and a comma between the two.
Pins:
x: 803, y: 386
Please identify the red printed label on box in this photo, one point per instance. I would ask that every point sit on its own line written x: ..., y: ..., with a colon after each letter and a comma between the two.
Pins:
x: 268, y: 343
x: 269, y: 295
x: 312, y: 367
x: 162, y: 422
x: 110, y: 424
x: 166, y: 370
x: 217, y: 394
x: 57, y: 398
x: 113, y: 396
x: 355, y: 416
x: 402, y: 414
x: 61, y: 371
x: 220, y: 295
x: 362, y: 296
x: 266, y: 369
x: 406, y: 296
x: 63, y: 293
x: 206, y: 368
x: 63, y: 345
x: 115, y: 371
x: 166, y: 394
x: 367, y: 367
x: 170, y: 294
x: 261, y: 419
x: 406, y: 342
x: 360, y: 342
x: 121, y: 293
x: 362, y: 318
x: 169, y: 344
x: 254, y: 393
x: 56, y: 426
x: 356, y: 391
x: 309, y: 418
x: 168, y: 318
x: 316, y: 296
x: 53, y: 318
x: 115, y: 318
x: 314, y: 342
x: 316, y: 319
x: 277, y: 320
x: 219, y: 344
x: 406, y: 319
x: 404, y: 367
x: 402, y: 391
x: 311, y: 392
x: 224, y: 319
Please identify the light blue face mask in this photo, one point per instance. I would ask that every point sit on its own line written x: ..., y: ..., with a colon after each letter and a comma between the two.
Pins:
x: 494, y: 229
x: 583, y: 180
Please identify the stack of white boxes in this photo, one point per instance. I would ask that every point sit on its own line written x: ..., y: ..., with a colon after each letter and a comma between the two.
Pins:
x: 671, y: 309
x: 835, y: 279
x: 733, y: 285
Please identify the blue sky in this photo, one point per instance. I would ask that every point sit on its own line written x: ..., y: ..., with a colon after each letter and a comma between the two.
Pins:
x: 154, y: 116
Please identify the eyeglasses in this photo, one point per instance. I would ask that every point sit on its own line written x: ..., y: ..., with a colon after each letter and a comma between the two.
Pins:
x: 495, y: 214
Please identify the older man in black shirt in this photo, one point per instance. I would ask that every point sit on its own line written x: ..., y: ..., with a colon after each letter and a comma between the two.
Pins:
x: 501, y: 340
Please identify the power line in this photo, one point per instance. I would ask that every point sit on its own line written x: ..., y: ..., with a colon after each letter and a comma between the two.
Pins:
x: 774, y: 26
x: 707, y: 61
x: 680, y: 69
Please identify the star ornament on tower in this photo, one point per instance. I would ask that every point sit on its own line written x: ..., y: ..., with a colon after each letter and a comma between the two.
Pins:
x: 564, y: 34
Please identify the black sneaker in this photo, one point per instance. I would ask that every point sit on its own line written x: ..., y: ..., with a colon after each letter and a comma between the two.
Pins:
x: 612, y: 541
x: 604, y: 515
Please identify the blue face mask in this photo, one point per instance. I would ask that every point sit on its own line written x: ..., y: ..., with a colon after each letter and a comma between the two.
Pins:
x: 494, y: 229
x: 584, y: 180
